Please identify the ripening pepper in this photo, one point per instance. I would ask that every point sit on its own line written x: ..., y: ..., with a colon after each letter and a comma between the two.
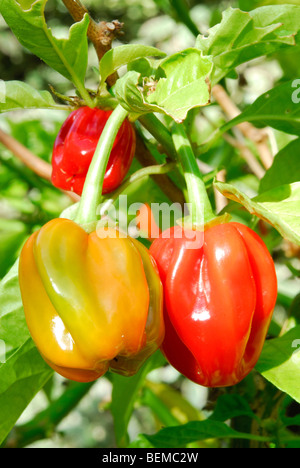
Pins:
x: 220, y: 290
x: 92, y: 302
x: 75, y: 146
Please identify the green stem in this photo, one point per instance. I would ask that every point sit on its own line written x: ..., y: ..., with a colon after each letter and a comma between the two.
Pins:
x: 182, y: 10
x: 92, y: 191
x: 140, y: 174
x: 160, y: 133
x: 202, y: 211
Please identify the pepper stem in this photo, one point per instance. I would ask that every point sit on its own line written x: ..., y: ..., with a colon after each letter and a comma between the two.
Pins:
x: 202, y: 211
x: 136, y: 176
x: 92, y: 191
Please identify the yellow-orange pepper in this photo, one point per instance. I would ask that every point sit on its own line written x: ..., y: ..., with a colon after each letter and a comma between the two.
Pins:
x: 92, y: 302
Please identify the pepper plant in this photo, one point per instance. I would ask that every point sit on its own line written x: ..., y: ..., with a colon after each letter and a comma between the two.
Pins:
x: 170, y: 240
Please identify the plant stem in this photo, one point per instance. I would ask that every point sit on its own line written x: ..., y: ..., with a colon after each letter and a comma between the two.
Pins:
x: 171, y: 189
x: 100, y: 33
x: 140, y: 174
x: 160, y: 133
x: 182, y: 10
x: 92, y: 191
x: 197, y: 196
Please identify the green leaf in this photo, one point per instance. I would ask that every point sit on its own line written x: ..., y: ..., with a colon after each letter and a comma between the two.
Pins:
x: 178, y: 84
x: 277, y: 108
x: 242, y: 36
x: 194, y: 431
x: 279, y: 362
x: 123, y: 55
x: 21, y: 377
x: 12, y: 235
x: 129, y: 92
x: 168, y: 404
x: 125, y: 390
x: 279, y: 207
x: 13, y: 328
x: 186, y: 83
x: 67, y: 56
x: 17, y: 95
x: 231, y: 406
x: 285, y: 168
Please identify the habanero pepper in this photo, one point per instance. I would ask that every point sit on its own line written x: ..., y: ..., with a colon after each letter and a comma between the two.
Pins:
x: 92, y: 302
x: 220, y: 291
x: 75, y: 146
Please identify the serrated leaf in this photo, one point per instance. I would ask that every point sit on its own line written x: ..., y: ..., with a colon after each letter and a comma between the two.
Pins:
x: 276, y: 108
x: 18, y: 95
x: 67, y: 56
x: 129, y: 93
x: 186, y: 84
x: 242, y: 36
x: 279, y: 362
x: 279, y: 207
x: 181, y: 82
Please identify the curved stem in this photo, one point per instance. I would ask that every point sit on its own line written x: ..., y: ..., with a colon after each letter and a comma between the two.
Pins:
x: 197, y: 196
x: 92, y: 191
x: 140, y: 174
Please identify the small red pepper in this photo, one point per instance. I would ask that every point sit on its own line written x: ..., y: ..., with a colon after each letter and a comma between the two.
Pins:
x: 75, y: 145
x: 219, y: 297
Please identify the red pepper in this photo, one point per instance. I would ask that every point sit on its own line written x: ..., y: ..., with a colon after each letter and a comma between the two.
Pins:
x: 219, y: 299
x: 75, y: 145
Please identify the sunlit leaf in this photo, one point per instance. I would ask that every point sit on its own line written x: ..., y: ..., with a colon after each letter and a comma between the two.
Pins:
x: 279, y: 207
x: 242, y: 36
x: 67, y: 56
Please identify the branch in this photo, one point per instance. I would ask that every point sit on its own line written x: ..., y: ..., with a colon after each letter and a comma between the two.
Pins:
x: 259, y: 137
x: 101, y: 34
x: 36, y: 164
x: 247, y: 155
x: 220, y: 200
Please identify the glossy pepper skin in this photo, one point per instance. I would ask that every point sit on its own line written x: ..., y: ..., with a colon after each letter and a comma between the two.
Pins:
x: 92, y: 302
x: 75, y: 145
x: 219, y: 299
